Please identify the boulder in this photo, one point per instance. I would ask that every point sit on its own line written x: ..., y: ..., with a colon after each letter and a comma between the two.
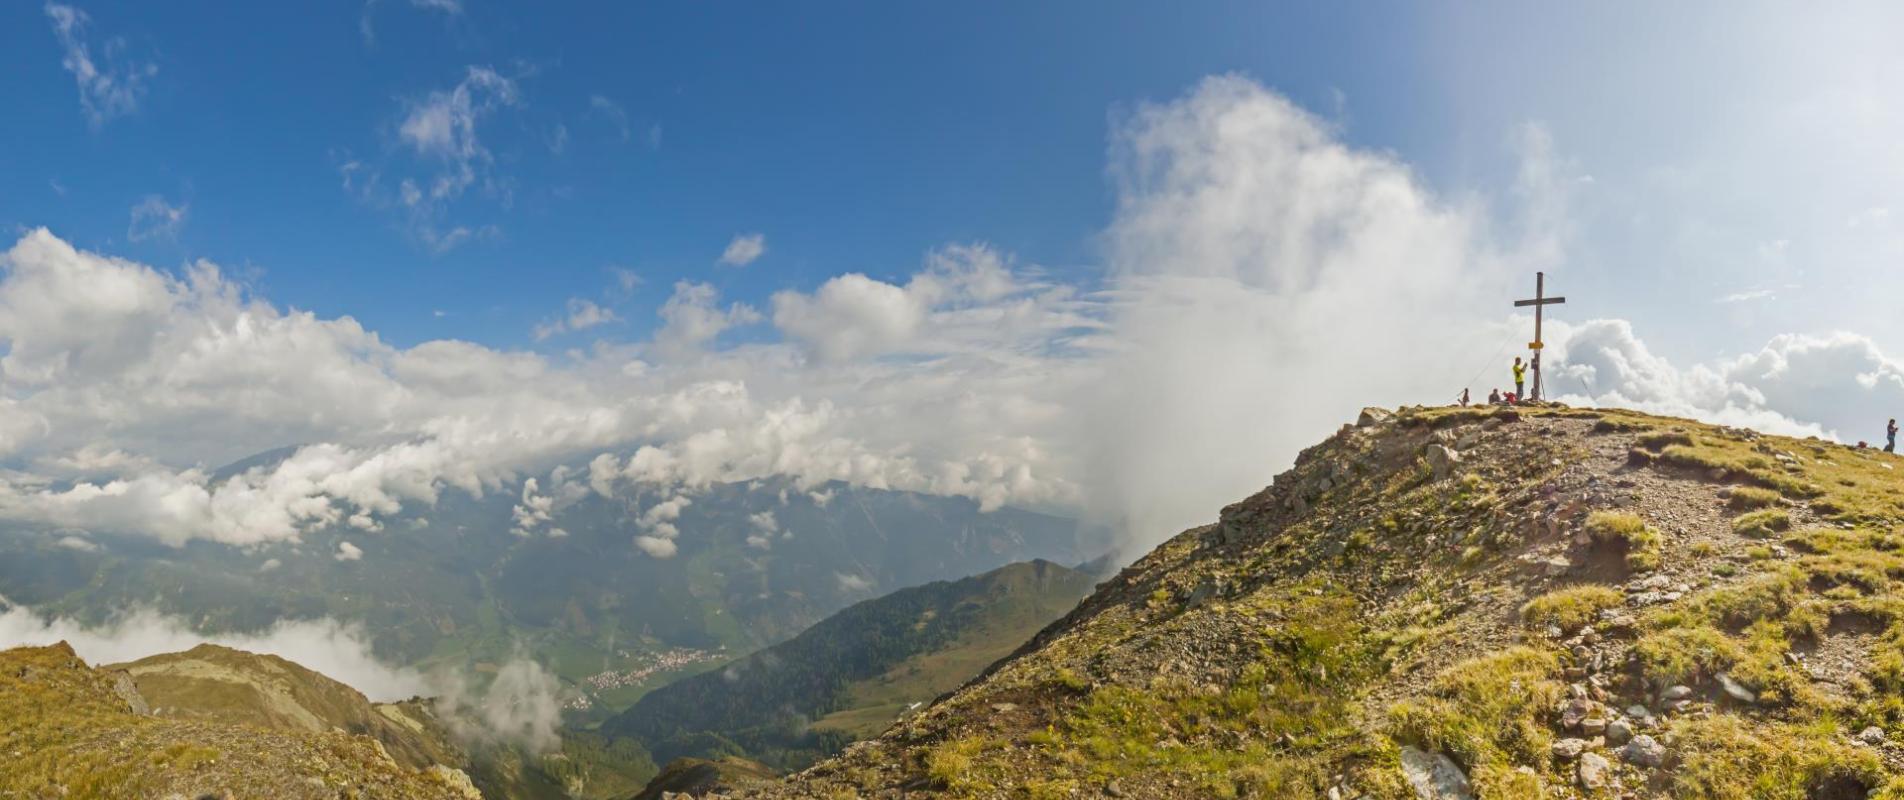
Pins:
x: 1594, y: 772
x: 1373, y: 416
x: 1434, y: 776
x: 1441, y: 460
x: 1644, y: 751
x: 1736, y: 690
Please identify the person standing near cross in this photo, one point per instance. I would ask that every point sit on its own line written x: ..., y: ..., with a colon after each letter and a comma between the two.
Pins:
x: 1540, y: 300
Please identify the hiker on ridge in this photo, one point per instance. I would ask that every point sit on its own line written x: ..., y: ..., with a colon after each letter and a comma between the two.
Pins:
x: 1520, y: 378
x: 1464, y: 402
x: 1890, y: 436
x: 1494, y: 397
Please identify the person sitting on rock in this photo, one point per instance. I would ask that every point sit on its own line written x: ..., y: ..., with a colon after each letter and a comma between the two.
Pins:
x: 1494, y: 397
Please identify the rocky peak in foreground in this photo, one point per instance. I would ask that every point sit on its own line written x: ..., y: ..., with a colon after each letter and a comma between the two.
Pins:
x: 1465, y: 603
x: 70, y: 730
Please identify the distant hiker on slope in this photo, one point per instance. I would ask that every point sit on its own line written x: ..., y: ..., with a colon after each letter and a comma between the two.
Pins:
x: 1890, y: 436
x: 1464, y: 403
x: 1520, y: 378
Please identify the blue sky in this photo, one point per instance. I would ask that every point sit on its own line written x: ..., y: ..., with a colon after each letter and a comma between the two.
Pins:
x: 854, y: 137
x: 1116, y: 259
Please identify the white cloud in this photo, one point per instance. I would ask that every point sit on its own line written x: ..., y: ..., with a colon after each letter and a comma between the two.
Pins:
x: 520, y: 707
x: 107, y: 89
x: 582, y: 314
x: 79, y: 543
x: 692, y: 317
x: 1747, y: 296
x: 440, y: 132
x: 270, y: 564
x: 743, y: 249
x: 656, y: 546
x: 154, y: 218
x: 349, y: 552
x: 852, y: 583
x: 1839, y: 385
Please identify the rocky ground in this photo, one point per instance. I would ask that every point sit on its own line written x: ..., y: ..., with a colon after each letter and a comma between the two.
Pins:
x: 1456, y: 603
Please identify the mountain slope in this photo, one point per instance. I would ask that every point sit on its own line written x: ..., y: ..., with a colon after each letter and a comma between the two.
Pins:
x: 850, y: 675
x: 69, y: 730
x: 219, y: 684
x: 1459, y: 603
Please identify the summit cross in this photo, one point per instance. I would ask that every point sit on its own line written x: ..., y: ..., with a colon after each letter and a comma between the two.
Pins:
x: 1540, y: 300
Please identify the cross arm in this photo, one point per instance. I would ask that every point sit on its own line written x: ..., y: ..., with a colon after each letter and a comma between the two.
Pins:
x: 1545, y: 301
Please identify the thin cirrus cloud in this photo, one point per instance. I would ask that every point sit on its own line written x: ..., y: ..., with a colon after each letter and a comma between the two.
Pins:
x: 111, y: 83
x: 1209, y: 350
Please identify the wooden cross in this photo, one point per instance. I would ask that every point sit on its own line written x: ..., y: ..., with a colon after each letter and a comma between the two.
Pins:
x: 1540, y: 299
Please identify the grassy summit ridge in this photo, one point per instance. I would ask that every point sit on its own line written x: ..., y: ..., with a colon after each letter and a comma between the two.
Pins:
x: 1511, y: 603
x: 68, y: 730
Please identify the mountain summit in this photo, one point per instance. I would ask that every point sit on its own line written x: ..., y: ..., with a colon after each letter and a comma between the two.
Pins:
x: 1465, y: 603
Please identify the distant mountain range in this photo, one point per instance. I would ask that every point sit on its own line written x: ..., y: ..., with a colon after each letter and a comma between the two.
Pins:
x: 851, y: 675
x: 453, y: 585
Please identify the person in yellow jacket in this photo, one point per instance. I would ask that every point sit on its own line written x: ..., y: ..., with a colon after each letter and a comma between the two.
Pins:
x: 1520, y: 380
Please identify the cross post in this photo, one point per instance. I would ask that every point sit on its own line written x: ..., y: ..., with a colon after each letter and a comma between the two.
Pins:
x: 1540, y: 300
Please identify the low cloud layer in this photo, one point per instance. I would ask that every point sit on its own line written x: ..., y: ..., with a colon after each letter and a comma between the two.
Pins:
x: 1261, y: 281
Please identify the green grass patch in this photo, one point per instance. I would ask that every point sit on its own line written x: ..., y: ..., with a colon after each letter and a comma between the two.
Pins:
x: 1641, y: 542
x: 1724, y: 757
x: 1748, y: 498
x: 1762, y: 524
x: 1571, y: 608
x: 1486, y: 713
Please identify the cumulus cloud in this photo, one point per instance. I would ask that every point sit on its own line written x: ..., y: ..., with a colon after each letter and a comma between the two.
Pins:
x: 743, y: 249
x: 692, y: 317
x: 582, y: 314
x: 154, y: 218
x: 852, y: 583
x: 349, y: 552
x: 1838, y: 385
x: 111, y: 85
